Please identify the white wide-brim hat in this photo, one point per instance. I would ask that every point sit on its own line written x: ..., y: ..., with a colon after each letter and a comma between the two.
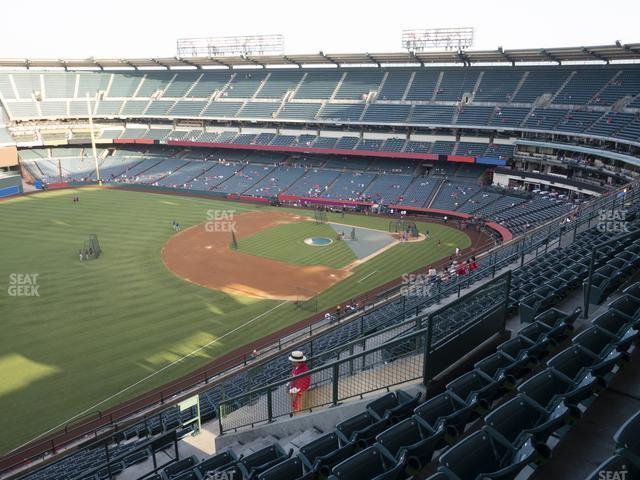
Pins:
x: 297, y: 356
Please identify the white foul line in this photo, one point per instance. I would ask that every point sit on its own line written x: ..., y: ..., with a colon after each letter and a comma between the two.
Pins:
x: 367, y: 276
x: 153, y: 374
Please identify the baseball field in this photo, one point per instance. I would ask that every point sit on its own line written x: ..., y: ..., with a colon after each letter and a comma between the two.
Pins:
x: 80, y: 336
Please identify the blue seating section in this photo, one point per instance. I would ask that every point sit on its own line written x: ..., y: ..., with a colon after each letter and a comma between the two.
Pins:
x: 496, y: 96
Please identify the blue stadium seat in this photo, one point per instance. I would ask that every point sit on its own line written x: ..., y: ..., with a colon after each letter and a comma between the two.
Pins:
x: 472, y: 387
x: 370, y: 463
x: 290, y: 469
x: 483, y: 455
x: 216, y: 462
x: 627, y: 440
x: 520, y: 417
x: 448, y: 411
x: 361, y: 429
x: 499, y: 366
x: 259, y: 461
x: 616, y: 466
x: 412, y: 439
x: 394, y: 406
x: 175, y: 469
x: 628, y: 307
x: 323, y: 453
x: 549, y: 388
x: 189, y: 475
x: 575, y: 362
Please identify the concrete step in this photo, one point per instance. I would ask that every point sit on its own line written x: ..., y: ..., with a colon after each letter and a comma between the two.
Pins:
x: 298, y: 440
x: 255, y: 445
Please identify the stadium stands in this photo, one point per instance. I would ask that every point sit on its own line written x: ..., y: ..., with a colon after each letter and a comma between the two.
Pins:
x: 570, y: 99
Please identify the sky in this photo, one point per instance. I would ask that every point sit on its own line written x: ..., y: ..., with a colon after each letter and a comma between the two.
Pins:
x: 144, y: 28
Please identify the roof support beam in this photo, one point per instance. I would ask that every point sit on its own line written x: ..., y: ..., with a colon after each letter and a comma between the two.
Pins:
x: 506, y: 57
x: 588, y: 51
x: 297, y: 64
x: 373, y: 59
x: 188, y: 63
x: 463, y: 58
x: 127, y: 62
x: 413, y: 55
x: 547, y: 55
x: 158, y: 62
x: 251, y: 60
x: 218, y: 62
x: 329, y: 59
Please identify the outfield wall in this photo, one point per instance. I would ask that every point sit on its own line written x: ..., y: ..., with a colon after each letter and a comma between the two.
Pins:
x: 10, y: 185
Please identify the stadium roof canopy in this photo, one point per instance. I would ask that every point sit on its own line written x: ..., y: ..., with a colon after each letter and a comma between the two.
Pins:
x: 605, y: 53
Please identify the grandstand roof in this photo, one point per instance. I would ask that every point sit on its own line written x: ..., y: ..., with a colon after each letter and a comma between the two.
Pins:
x: 604, y: 53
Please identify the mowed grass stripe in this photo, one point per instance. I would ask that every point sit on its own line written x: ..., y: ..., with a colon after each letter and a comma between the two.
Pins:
x: 101, y: 326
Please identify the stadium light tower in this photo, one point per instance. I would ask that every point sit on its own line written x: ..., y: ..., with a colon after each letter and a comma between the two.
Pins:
x: 457, y: 38
x: 225, y: 46
x: 93, y: 137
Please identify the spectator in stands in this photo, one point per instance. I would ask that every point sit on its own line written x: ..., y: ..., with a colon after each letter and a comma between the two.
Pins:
x: 298, y: 386
x: 462, y: 269
x: 473, y: 265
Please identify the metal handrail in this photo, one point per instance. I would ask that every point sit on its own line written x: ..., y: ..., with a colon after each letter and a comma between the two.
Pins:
x: 425, y: 331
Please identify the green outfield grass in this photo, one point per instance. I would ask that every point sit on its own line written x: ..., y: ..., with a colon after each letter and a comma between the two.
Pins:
x: 103, y: 331
x: 286, y: 243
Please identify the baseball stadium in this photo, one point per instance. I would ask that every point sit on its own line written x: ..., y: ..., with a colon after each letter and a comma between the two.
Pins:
x: 239, y: 262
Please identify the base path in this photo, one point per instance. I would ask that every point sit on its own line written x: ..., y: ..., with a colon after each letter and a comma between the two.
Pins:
x: 203, y: 256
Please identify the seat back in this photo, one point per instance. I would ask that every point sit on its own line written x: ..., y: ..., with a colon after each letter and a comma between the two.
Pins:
x: 379, y: 406
x: 319, y: 447
x: 595, y: 339
x: 353, y: 424
x: 211, y: 464
x: 627, y: 438
x: 290, y: 469
x: 473, y: 456
x: 402, y: 434
x: 572, y: 361
x: 262, y: 456
x: 438, y: 407
x: 544, y: 387
x: 465, y: 386
x: 514, y: 416
x: 367, y: 463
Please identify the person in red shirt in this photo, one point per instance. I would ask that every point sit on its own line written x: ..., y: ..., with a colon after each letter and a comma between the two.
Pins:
x: 462, y: 269
x: 298, y: 386
x: 473, y: 265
